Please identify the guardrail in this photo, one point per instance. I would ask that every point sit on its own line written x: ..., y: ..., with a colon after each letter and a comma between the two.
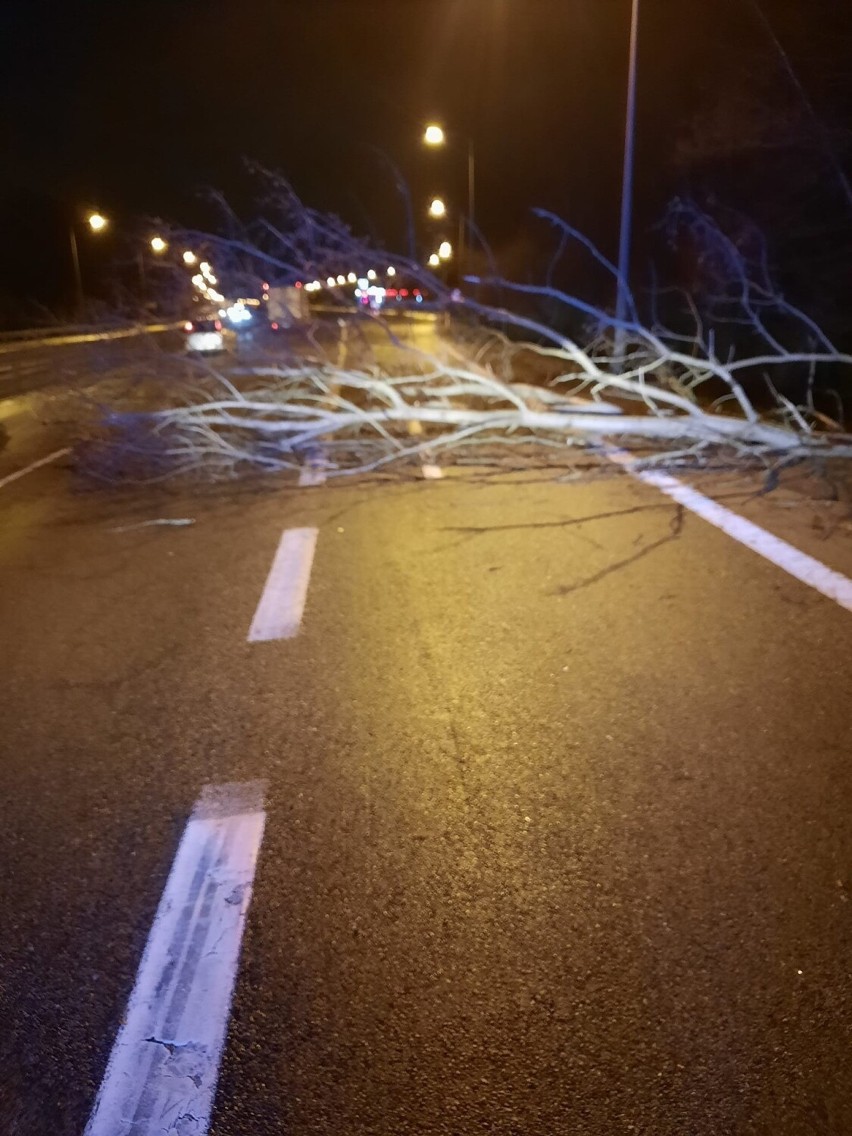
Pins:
x: 65, y: 337
x: 48, y: 332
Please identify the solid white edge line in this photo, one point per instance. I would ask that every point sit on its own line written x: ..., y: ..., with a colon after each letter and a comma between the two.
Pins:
x: 162, y: 1072
x: 34, y: 465
x: 279, y: 612
x: 833, y: 585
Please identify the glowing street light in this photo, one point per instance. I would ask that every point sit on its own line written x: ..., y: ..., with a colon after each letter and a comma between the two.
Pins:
x: 331, y: 281
x: 445, y: 250
x: 189, y: 257
x: 437, y: 208
x: 158, y: 245
x: 97, y: 223
x: 434, y: 260
x: 371, y: 275
x: 351, y: 278
x: 341, y: 280
x: 391, y: 271
x: 434, y: 135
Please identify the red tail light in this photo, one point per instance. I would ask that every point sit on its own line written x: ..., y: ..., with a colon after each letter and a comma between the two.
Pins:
x: 274, y: 326
x: 218, y: 325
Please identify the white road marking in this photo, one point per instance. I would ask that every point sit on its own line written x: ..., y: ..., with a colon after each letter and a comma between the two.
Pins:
x: 311, y: 475
x: 35, y: 465
x: 162, y: 1073
x: 814, y: 573
x: 432, y: 472
x: 279, y: 613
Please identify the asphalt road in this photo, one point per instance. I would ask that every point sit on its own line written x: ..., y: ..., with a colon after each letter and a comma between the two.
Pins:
x: 558, y: 789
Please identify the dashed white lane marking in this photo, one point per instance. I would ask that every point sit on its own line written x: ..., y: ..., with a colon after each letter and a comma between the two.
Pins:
x: 279, y: 613
x: 311, y: 475
x: 814, y: 573
x: 161, y: 1076
x: 34, y: 465
x: 430, y: 470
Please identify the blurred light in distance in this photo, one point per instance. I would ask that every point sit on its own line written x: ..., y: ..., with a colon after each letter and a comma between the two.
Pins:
x: 445, y: 250
x: 158, y: 244
x: 341, y: 280
x: 371, y: 275
x: 434, y: 260
x: 351, y: 278
x: 437, y: 208
x: 97, y: 222
x: 391, y: 271
x: 331, y: 282
x: 189, y: 257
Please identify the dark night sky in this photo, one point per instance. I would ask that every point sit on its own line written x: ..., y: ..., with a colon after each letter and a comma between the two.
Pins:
x: 137, y: 105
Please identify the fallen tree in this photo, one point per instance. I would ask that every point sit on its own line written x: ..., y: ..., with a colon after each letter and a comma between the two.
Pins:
x: 350, y: 402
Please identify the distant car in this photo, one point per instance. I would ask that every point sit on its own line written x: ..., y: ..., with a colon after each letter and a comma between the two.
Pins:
x: 204, y: 337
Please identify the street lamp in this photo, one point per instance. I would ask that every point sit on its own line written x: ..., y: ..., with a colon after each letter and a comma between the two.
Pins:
x: 158, y: 245
x: 97, y: 223
x: 445, y: 250
x: 189, y: 257
x: 437, y: 208
x: 434, y: 135
x: 434, y: 260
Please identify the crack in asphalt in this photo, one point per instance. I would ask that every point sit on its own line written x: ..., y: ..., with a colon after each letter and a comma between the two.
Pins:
x: 676, y: 528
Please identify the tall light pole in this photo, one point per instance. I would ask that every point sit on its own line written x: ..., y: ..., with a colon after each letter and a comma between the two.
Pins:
x: 97, y: 223
x: 627, y: 189
x: 435, y: 136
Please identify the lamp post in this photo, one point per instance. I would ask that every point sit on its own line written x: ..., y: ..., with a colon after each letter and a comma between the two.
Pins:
x: 435, y: 136
x: 627, y: 189
x: 97, y: 223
